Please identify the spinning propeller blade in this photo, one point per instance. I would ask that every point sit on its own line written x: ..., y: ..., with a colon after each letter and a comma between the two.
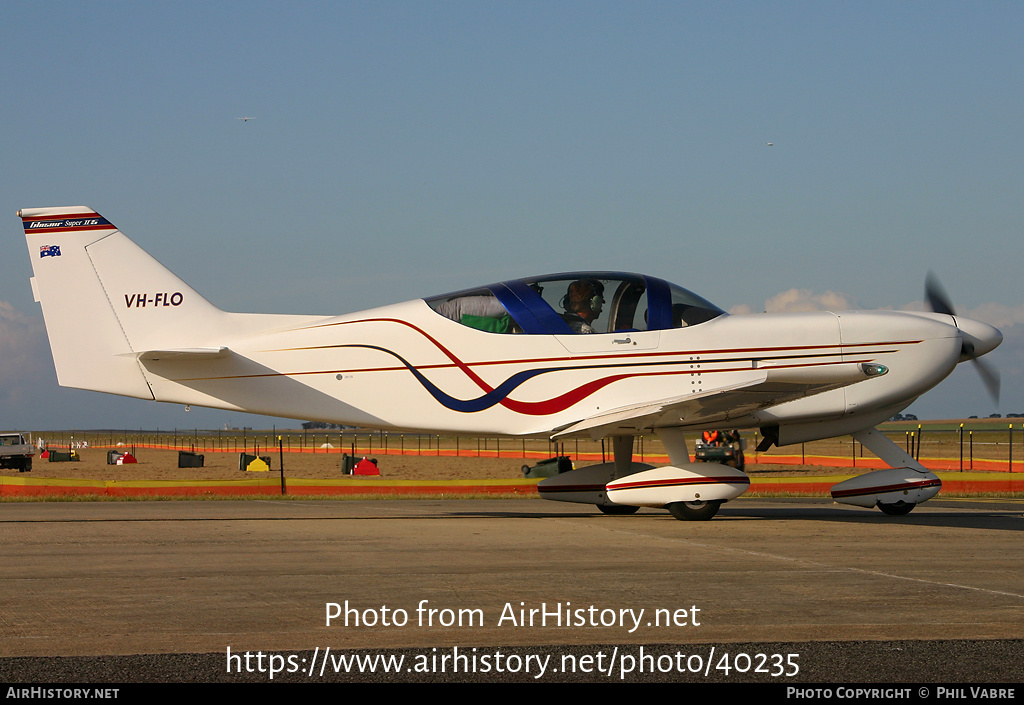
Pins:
x: 938, y: 301
x: 936, y: 296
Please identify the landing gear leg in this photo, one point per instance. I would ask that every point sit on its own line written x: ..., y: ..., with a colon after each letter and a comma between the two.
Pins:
x: 622, y: 447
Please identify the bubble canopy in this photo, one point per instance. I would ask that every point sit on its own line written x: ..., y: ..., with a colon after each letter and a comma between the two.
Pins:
x: 553, y: 304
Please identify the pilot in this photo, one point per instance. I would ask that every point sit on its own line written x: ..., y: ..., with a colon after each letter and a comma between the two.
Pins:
x: 582, y: 303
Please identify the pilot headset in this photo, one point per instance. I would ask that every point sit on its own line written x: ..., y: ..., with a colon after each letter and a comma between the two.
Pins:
x: 588, y: 295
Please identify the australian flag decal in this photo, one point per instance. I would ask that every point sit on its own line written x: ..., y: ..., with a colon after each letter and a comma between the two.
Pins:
x: 49, y: 251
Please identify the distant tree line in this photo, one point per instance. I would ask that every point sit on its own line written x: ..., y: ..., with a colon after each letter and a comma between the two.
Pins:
x: 318, y: 425
x: 911, y: 417
x: 904, y: 417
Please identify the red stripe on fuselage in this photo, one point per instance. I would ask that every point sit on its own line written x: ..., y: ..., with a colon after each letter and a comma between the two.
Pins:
x: 573, y: 396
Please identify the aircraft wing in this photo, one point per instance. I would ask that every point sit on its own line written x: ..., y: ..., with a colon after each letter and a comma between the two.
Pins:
x: 766, y: 387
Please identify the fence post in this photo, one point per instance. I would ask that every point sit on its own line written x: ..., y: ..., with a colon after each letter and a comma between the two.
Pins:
x: 961, y: 447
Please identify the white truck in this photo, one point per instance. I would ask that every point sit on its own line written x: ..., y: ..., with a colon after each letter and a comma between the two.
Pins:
x: 15, y: 453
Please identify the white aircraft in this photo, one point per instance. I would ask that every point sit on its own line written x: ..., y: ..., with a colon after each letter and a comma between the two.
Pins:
x: 514, y: 359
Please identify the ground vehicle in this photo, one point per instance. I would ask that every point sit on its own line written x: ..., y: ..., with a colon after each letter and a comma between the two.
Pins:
x: 15, y: 453
x: 725, y: 447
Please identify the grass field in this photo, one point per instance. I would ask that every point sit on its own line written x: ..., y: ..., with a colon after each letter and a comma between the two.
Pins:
x: 983, y: 444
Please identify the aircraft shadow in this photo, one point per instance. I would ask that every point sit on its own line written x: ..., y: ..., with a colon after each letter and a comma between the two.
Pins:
x: 1008, y: 519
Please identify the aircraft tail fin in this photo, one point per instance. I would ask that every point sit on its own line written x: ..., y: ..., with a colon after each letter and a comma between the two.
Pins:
x: 105, y: 300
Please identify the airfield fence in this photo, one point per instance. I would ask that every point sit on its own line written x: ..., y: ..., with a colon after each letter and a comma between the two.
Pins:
x: 947, y: 447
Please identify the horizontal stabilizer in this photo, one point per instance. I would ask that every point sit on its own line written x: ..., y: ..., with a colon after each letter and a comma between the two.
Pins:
x: 183, y: 354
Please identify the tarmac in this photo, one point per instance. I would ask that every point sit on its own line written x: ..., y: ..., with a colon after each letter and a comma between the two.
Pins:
x: 269, y: 484
x: 160, y: 591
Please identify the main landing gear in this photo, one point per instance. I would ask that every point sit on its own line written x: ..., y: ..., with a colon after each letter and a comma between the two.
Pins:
x: 689, y: 491
x: 693, y: 511
x: 898, y: 509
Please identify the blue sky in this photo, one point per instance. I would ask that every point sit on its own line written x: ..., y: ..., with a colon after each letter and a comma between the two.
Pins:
x: 402, y: 149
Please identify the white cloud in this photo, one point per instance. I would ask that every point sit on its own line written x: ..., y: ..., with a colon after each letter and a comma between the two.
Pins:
x: 799, y: 300
x: 23, y: 349
x: 1002, y: 316
x: 999, y: 315
x: 25, y: 367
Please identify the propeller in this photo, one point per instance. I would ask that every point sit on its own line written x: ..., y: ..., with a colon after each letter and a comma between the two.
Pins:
x: 935, y: 295
x: 938, y: 301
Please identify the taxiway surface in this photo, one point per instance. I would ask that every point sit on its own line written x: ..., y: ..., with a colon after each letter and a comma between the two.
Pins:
x: 115, y: 579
